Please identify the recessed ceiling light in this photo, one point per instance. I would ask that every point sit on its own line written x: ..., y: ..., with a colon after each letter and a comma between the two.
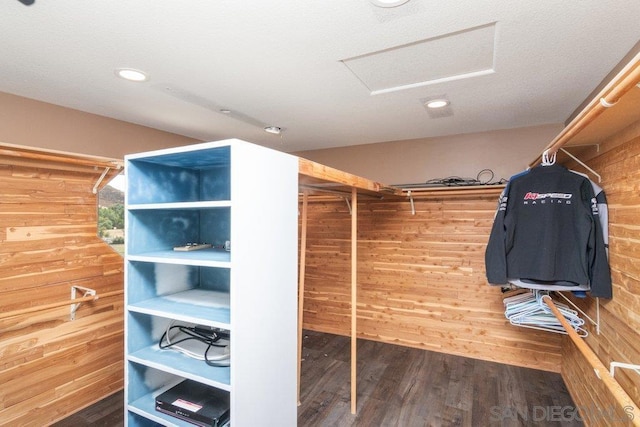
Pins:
x: 132, y: 75
x: 437, y: 103
x: 273, y: 129
x: 388, y: 3
x: 225, y: 111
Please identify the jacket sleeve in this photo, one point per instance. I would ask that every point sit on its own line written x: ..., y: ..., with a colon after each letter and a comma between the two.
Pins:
x: 599, y: 273
x: 495, y: 257
x: 603, y: 213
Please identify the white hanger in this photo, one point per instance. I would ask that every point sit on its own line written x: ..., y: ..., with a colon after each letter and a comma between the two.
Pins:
x: 548, y: 160
x: 527, y: 310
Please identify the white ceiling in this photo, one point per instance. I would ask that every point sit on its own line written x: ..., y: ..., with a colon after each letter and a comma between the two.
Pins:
x: 329, y: 72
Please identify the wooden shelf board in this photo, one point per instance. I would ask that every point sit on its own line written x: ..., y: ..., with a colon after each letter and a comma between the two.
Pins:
x: 324, y: 183
x: 197, y: 306
x: 452, y: 191
x: 316, y: 178
x: 180, y: 365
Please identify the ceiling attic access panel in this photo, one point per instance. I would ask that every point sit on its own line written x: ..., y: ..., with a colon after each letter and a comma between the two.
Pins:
x: 187, y: 178
x: 427, y: 62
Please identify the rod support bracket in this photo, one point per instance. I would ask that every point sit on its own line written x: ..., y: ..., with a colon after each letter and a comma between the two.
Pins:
x: 595, y: 322
x: 614, y: 365
x: 86, y: 292
x: 413, y: 206
x: 99, y: 181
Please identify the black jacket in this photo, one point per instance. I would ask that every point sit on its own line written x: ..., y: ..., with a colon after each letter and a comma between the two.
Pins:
x: 547, y: 229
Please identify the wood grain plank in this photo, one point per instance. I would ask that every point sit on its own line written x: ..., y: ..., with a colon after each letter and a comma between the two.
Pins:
x: 620, y: 317
x: 51, y: 366
x: 421, y: 279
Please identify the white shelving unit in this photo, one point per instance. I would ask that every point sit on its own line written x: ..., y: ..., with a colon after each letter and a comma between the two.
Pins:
x: 213, y: 193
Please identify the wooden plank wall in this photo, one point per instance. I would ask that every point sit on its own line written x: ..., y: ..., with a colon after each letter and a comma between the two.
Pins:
x: 421, y: 279
x: 50, y: 366
x: 619, y: 340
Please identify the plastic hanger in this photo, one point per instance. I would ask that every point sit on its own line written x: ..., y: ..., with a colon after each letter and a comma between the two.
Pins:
x: 527, y: 310
x: 548, y: 160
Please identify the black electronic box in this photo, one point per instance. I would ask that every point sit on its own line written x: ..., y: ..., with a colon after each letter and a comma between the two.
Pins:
x: 195, y: 403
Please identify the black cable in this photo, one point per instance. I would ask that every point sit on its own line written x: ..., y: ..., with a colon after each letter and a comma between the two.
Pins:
x: 453, y: 181
x: 211, y: 339
x: 481, y: 172
x: 224, y: 362
x: 192, y: 334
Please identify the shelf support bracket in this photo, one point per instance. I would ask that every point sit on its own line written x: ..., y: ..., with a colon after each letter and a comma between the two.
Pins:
x: 596, y: 322
x: 86, y: 292
x: 104, y: 173
x: 614, y: 365
x: 582, y: 163
x: 413, y: 206
x: 346, y: 199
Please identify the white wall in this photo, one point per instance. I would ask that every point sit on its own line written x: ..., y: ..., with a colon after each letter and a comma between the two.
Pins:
x: 505, y: 152
x: 32, y: 123
x: 37, y: 124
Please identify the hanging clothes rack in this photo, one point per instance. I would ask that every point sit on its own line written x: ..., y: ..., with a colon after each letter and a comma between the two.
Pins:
x: 607, y: 98
x: 622, y: 83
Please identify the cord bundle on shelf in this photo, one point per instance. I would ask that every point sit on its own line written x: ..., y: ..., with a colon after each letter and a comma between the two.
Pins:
x: 201, y: 343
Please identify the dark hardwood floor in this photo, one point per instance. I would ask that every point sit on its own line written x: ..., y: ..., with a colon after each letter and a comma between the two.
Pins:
x: 109, y: 412
x: 404, y: 387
